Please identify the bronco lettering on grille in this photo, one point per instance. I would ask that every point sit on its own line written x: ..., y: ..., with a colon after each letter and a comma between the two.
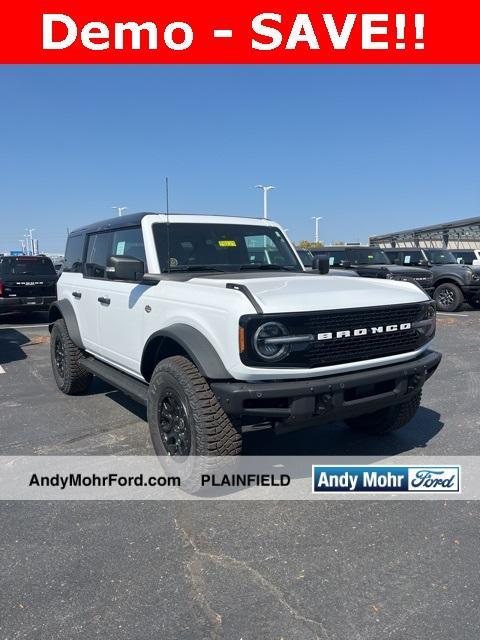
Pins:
x: 390, y: 328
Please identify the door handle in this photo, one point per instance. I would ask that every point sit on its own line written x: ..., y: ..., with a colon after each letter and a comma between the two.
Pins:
x: 77, y: 294
x: 103, y: 300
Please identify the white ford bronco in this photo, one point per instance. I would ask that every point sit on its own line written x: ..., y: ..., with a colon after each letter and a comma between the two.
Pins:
x: 213, y: 323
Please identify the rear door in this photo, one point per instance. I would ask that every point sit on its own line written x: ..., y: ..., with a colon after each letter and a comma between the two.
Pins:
x: 31, y: 277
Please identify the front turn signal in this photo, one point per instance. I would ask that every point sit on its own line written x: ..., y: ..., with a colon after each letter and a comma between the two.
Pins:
x: 241, y: 339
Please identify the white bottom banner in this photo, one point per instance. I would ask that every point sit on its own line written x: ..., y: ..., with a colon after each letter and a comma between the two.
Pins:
x: 242, y: 478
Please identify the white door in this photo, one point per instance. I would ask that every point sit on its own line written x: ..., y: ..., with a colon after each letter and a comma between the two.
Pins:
x: 121, y: 307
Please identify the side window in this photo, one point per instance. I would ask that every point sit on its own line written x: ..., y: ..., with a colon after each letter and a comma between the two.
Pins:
x: 394, y: 255
x: 74, y: 254
x: 129, y: 242
x: 335, y: 257
x: 98, y: 250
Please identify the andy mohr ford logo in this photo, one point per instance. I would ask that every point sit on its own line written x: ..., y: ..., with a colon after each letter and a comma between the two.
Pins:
x: 390, y: 328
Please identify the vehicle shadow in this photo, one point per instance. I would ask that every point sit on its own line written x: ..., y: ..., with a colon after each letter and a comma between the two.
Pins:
x: 20, y: 318
x: 333, y: 439
x: 11, y: 342
x: 127, y: 403
x: 336, y: 439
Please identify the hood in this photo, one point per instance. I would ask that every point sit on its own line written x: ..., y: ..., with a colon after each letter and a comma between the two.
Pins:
x: 455, y: 268
x: 393, y: 268
x: 289, y: 293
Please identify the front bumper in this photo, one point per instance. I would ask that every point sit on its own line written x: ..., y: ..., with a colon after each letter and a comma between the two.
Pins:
x: 471, y: 291
x: 41, y: 303
x: 330, y: 398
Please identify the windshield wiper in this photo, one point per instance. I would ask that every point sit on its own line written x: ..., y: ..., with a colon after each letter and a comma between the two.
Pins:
x: 266, y: 267
x: 196, y: 267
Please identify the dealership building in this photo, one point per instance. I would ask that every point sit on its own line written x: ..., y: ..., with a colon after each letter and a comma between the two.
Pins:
x: 459, y: 234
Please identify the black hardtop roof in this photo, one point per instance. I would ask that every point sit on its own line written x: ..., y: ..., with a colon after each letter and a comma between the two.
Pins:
x: 391, y: 249
x: 340, y: 247
x: 119, y: 222
x: 135, y: 219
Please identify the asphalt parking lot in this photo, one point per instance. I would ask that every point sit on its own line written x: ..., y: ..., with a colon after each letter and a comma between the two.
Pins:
x: 248, y: 571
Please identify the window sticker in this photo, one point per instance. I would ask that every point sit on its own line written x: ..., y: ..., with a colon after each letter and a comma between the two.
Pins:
x: 407, y: 259
x: 120, y: 248
x: 331, y: 261
x: 227, y: 243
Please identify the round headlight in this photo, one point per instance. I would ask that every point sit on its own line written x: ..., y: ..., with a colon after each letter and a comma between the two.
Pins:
x: 267, y: 341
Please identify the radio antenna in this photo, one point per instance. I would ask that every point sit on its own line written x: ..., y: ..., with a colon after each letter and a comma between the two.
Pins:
x: 168, y: 222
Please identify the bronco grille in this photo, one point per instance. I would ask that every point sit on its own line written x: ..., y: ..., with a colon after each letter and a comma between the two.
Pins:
x: 424, y: 279
x: 348, y: 347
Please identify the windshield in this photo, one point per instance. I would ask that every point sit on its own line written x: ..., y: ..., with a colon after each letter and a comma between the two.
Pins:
x: 222, y: 247
x: 367, y: 256
x: 306, y: 257
x: 441, y: 257
x: 28, y: 266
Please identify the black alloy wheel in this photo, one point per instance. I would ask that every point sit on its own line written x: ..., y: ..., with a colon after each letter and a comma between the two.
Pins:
x: 173, y: 424
x: 446, y: 297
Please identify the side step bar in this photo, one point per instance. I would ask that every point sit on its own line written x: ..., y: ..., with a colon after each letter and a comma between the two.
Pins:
x: 130, y: 386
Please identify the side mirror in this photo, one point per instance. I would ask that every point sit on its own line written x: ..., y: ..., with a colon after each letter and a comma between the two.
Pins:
x: 321, y: 263
x: 124, y: 268
x: 423, y: 263
x: 345, y: 264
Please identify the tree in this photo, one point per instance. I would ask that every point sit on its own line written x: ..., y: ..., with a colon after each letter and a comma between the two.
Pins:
x: 306, y: 244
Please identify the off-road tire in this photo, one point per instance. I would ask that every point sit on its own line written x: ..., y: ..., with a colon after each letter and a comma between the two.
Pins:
x: 212, y: 433
x: 75, y: 379
x: 448, y: 297
x: 388, y: 419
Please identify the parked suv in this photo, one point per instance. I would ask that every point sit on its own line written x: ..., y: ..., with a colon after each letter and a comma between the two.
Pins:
x: 27, y: 283
x: 173, y: 311
x: 371, y: 262
x: 307, y: 258
x: 453, y: 282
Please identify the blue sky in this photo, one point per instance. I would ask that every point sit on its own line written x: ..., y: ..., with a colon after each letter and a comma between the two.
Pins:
x: 371, y: 149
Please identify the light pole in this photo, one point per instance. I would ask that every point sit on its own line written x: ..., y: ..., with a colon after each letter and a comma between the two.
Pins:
x: 29, y: 238
x: 316, y: 218
x: 265, y: 189
x: 120, y: 209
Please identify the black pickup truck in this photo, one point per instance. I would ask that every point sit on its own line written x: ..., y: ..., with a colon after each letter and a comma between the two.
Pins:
x: 371, y: 262
x: 27, y: 283
x: 454, y: 283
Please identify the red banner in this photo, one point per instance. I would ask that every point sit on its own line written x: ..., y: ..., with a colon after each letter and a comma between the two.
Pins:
x: 254, y: 31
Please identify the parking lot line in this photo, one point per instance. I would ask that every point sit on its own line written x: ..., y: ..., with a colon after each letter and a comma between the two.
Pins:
x: 461, y: 315
x: 2, y: 370
x: 24, y: 326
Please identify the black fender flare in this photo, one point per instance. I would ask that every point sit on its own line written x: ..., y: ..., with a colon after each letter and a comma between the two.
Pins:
x: 64, y: 309
x: 198, y: 348
x: 446, y: 278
